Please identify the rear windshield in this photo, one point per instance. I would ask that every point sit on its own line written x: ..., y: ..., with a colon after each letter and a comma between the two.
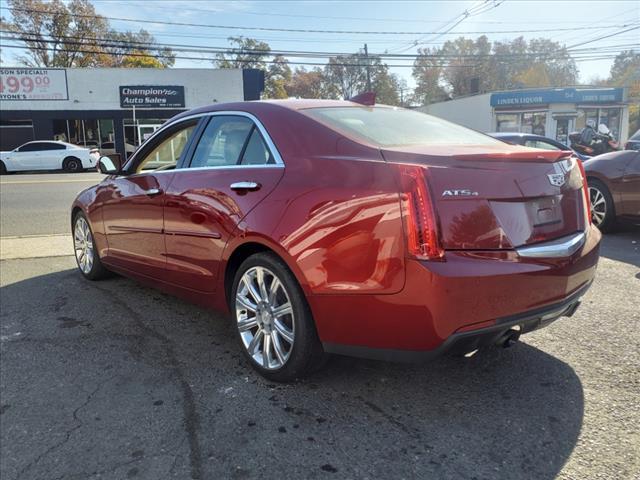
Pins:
x: 386, y: 127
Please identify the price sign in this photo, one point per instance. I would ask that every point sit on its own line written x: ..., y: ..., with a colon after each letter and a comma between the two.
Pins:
x: 33, y: 84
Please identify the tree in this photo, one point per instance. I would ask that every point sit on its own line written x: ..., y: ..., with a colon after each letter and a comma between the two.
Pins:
x: 535, y: 76
x: 624, y: 65
x: 277, y: 79
x: 466, y: 60
x: 561, y: 68
x: 347, y: 73
x: 53, y: 36
x: 247, y: 53
x: 72, y: 34
x: 136, y: 49
x: 464, y: 66
x: 310, y: 84
x: 427, y: 71
x: 625, y: 72
x: 140, y: 59
x: 386, y: 86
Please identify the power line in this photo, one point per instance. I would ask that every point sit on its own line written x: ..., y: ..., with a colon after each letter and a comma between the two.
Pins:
x: 300, y: 30
x: 603, y: 37
x: 183, y: 57
x: 126, y: 44
x: 466, y: 14
x: 367, y: 19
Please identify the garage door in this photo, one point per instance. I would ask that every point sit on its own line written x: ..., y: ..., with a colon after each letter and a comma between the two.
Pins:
x: 14, y: 133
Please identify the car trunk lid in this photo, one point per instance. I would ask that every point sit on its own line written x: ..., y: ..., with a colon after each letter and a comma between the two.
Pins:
x: 502, y: 198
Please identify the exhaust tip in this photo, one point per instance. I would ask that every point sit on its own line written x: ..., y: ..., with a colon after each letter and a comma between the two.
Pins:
x: 509, y: 338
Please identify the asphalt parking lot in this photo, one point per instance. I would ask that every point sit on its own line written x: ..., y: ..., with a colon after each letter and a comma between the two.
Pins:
x: 113, y: 380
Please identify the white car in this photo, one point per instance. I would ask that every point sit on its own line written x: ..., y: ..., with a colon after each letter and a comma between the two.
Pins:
x: 48, y: 155
x: 109, y: 148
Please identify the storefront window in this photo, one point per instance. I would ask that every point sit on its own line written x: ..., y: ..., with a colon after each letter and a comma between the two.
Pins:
x: 595, y: 116
x: 611, y: 118
x: 91, y: 136
x: 106, y: 131
x: 76, y: 135
x: 527, y: 122
x: 534, y: 122
x: 508, y: 122
x: 60, y: 132
x: 87, y: 133
x: 587, y: 116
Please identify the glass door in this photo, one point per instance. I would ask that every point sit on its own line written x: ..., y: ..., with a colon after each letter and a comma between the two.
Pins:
x: 145, y: 131
x: 564, y: 126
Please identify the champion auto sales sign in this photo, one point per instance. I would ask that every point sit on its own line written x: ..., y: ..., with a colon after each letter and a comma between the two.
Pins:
x: 151, y: 96
x: 33, y: 84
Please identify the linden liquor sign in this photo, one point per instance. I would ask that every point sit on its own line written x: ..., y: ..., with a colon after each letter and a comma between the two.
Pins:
x: 33, y: 84
x: 152, y: 96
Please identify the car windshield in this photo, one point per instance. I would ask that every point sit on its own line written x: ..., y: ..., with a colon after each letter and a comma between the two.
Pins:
x: 386, y: 127
x: 636, y: 136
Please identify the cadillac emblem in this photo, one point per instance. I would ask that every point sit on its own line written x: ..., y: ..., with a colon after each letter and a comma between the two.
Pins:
x: 556, y: 179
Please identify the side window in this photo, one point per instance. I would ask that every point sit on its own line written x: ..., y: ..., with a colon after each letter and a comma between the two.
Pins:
x: 30, y: 147
x: 222, y: 142
x: 256, y: 151
x: 53, y: 146
x: 167, y: 153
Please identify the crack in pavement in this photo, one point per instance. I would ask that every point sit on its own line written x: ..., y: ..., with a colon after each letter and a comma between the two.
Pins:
x: 190, y: 413
x: 68, y: 433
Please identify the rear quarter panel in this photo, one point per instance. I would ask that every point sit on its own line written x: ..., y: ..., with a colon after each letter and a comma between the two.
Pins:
x: 335, y: 215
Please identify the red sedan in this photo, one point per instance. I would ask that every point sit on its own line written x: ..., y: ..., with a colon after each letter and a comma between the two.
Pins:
x: 335, y: 227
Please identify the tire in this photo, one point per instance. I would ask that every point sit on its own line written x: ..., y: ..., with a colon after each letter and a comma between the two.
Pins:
x: 72, y: 165
x: 289, y: 337
x: 603, y: 212
x: 85, y: 250
x: 3, y: 168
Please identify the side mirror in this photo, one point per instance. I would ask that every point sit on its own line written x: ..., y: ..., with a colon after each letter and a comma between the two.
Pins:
x: 108, y: 166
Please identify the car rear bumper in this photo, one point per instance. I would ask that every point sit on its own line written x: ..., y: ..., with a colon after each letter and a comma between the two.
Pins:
x: 467, y: 341
x: 471, y: 298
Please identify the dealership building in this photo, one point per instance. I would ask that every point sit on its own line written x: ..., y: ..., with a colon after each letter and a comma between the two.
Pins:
x: 551, y: 112
x: 113, y: 109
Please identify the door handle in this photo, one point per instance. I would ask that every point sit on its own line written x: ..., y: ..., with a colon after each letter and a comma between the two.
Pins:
x: 244, y: 186
x: 152, y: 192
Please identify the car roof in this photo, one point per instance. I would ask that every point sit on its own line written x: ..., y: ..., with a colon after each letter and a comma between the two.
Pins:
x: 261, y: 106
x: 51, y: 141
x: 304, y: 103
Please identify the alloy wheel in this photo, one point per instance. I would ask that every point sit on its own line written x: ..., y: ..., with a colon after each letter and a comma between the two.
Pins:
x: 265, y: 318
x: 598, y: 206
x: 83, y: 245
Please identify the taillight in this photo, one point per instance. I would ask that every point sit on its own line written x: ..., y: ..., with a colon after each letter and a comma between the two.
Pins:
x: 419, y: 216
x: 585, y: 189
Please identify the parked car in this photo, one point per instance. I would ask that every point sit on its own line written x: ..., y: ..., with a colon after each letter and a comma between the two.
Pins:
x: 334, y: 227
x: 614, y: 188
x: 48, y: 155
x: 634, y: 142
x: 109, y: 148
x: 535, y: 141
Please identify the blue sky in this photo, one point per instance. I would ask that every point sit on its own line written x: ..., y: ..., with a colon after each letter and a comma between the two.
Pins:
x: 589, y: 19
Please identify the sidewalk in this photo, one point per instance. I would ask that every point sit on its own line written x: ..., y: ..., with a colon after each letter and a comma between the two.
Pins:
x: 35, y: 246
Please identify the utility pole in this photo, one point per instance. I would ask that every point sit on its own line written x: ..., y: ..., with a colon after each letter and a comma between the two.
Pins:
x: 366, y: 56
